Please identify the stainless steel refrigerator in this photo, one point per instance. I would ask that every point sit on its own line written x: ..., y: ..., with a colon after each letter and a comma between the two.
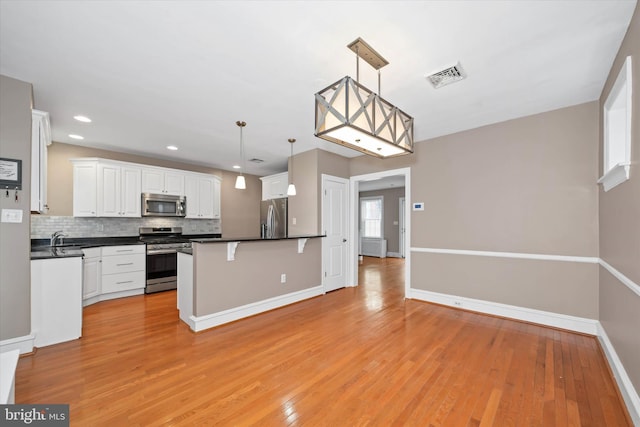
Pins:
x: 273, y: 218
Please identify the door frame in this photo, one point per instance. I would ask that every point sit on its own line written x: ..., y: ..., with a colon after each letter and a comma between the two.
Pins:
x: 402, y: 214
x: 352, y: 248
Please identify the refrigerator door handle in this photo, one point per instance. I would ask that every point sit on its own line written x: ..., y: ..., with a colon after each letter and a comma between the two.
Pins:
x: 270, y: 222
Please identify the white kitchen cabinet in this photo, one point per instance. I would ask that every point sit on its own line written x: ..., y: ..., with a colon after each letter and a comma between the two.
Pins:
x: 203, y: 196
x: 40, y: 140
x: 85, y: 188
x: 217, y: 191
x: 56, y: 300
x: 275, y: 186
x: 119, y: 189
x: 162, y: 181
x: 123, y: 268
x: 91, y: 273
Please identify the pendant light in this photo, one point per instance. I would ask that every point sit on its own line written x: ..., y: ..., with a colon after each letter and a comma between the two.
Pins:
x: 291, y: 190
x: 349, y: 114
x: 240, y: 182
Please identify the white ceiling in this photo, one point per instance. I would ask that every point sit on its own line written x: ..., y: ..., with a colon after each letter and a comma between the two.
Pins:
x: 155, y: 73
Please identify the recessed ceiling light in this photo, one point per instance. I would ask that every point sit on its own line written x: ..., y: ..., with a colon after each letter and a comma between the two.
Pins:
x: 83, y: 119
x: 172, y: 147
x: 71, y: 135
x: 236, y: 166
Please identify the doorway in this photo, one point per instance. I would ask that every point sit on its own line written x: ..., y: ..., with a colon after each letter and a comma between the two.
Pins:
x: 356, y: 182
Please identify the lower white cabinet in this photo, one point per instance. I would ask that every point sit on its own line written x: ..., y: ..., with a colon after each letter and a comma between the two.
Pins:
x: 91, y: 273
x: 123, y: 268
x: 56, y: 300
x: 113, y: 272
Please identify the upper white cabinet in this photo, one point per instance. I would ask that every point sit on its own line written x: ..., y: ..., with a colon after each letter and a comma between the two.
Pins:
x: 85, y: 188
x: 162, y: 181
x: 40, y: 140
x: 105, y: 188
x: 119, y: 189
x: 110, y: 188
x: 203, y: 196
x: 275, y: 186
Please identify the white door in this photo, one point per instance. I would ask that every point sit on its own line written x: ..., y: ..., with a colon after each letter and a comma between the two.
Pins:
x: 335, y: 214
x: 402, y: 227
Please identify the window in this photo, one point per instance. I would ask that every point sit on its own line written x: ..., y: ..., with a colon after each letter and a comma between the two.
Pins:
x: 617, y: 130
x: 371, y: 217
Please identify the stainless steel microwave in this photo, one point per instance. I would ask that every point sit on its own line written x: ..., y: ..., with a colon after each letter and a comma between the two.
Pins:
x: 163, y: 205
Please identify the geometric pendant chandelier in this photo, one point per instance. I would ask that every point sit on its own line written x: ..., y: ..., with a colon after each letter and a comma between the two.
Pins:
x: 349, y: 114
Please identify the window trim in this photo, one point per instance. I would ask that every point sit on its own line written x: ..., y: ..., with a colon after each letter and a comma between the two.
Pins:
x: 616, y: 174
x: 381, y: 198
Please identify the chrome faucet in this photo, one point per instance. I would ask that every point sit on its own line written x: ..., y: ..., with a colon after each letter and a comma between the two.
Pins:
x: 57, y: 236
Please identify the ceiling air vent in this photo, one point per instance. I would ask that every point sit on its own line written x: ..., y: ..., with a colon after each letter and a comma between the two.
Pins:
x: 254, y: 160
x: 446, y: 76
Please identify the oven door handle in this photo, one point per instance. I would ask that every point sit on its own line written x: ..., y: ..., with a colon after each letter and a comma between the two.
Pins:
x: 161, y: 251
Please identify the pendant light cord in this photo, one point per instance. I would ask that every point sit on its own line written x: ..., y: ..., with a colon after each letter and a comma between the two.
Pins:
x: 241, y: 125
x: 291, y: 141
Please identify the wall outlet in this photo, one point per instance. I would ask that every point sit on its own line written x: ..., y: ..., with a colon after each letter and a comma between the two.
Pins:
x: 294, y: 220
x: 283, y: 278
x: 457, y: 303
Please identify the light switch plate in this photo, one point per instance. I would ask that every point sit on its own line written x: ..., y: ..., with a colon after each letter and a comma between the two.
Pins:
x: 12, y: 215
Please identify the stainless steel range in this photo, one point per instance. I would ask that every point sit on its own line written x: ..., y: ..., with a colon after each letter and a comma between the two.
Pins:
x: 163, y: 244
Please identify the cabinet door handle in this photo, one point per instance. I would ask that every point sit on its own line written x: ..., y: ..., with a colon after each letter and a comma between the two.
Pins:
x: 126, y: 281
x: 124, y: 250
x: 128, y: 263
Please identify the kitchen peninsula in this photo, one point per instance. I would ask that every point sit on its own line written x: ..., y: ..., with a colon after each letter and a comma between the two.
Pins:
x: 226, y: 279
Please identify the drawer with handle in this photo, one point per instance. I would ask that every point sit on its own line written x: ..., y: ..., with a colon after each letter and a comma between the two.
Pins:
x: 123, y: 250
x: 123, y: 263
x: 123, y: 282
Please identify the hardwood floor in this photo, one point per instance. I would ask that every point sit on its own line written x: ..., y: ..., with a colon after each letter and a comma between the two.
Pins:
x: 353, y: 357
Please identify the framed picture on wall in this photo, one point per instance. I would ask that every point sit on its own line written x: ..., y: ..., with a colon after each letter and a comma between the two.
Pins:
x: 10, y: 174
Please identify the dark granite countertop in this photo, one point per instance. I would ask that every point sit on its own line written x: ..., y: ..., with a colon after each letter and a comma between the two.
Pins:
x: 72, y: 246
x: 227, y: 239
x: 86, y: 242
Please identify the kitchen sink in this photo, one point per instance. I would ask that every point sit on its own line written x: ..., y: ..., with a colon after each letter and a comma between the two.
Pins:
x: 45, y: 248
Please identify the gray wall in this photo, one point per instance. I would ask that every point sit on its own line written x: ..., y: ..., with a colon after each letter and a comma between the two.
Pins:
x: 15, y: 143
x: 391, y: 215
x: 254, y: 275
x: 525, y: 185
x: 620, y: 227
x: 306, y: 206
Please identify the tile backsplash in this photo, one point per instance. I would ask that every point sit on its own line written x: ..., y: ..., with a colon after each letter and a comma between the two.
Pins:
x: 42, y: 226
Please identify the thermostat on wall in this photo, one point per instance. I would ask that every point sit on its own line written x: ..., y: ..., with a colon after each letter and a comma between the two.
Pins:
x: 418, y: 206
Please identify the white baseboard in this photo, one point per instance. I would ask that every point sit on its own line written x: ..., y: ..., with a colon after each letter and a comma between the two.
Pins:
x: 200, y: 323
x: 556, y: 320
x: 112, y: 295
x: 629, y: 393
x: 24, y: 344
